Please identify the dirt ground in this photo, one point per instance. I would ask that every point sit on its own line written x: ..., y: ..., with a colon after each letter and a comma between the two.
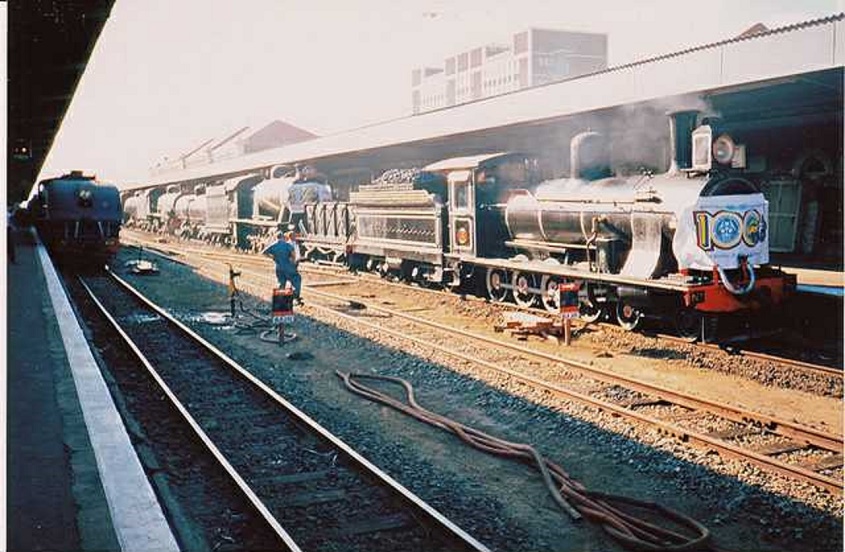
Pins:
x: 502, y: 503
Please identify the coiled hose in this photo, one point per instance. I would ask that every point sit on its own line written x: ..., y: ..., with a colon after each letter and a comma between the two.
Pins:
x: 632, y: 532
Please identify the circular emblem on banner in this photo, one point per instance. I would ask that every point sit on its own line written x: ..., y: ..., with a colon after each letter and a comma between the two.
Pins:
x: 727, y: 229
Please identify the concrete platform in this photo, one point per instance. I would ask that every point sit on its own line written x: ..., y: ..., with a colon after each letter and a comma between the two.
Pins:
x: 819, y: 282
x: 73, y: 480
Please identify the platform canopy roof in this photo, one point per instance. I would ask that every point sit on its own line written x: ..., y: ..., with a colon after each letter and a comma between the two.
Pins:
x: 50, y: 42
x: 790, y: 54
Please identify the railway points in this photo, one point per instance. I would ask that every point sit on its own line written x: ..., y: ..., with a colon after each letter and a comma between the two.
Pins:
x: 328, y: 276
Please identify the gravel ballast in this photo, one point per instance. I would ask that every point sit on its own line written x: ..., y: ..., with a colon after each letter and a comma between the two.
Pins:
x: 501, y: 503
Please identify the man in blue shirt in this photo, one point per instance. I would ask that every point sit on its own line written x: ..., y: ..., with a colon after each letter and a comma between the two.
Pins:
x: 284, y: 253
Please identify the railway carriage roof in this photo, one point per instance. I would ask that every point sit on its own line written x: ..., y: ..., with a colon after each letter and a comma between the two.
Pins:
x: 232, y: 183
x: 469, y: 162
x: 73, y: 175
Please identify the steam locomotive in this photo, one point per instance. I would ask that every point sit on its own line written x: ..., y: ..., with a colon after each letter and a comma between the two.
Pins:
x: 242, y: 212
x: 77, y: 218
x: 690, y: 245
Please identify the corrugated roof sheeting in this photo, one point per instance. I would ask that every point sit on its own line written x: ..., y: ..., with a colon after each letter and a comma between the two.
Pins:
x: 779, y: 53
x: 810, y: 49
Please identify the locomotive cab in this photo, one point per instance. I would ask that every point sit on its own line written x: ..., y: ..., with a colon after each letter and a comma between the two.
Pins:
x: 230, y: 207
x: 478, y: 188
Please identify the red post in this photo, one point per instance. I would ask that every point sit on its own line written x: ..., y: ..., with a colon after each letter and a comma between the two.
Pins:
x: 568, y: 301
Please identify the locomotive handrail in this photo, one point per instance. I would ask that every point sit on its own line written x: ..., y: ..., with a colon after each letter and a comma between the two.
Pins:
x: 752, y: 279
x: 559, y: 247
x: 611, y: 200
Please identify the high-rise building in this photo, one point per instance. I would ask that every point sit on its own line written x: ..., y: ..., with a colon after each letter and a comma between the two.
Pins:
x: 534, y: 57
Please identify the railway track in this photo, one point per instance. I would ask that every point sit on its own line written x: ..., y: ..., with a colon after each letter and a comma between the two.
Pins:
x: 312, y: 490
x: 776, y: 445
x: 243, y: 259
x: 734, y: 349
x: 733, y: 432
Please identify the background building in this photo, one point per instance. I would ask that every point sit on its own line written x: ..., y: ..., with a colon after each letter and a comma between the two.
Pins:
x: 534, y: 57
x: 240, y: 142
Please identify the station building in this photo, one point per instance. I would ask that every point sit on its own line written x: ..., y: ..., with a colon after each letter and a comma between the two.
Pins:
x: 532, y: 57
x: 238, y: 143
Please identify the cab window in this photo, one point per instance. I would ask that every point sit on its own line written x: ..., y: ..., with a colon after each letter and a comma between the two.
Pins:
x: 461, y: 197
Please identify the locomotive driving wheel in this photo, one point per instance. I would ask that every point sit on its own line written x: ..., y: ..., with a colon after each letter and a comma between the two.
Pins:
x: 590, y: 313
x: 550, y: 297
x: 629, y: 317
x: 496, y: 282
x: 589, y: 308
x: 688, y: 324
x: 523, y: 285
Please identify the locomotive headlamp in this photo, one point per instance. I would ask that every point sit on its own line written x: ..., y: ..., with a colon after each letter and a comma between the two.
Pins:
x: 723, y: 149
x: 85, y: 198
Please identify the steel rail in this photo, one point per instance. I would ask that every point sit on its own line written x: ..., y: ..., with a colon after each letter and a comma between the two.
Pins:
x: 223, y: 256
x: 728, y: 449
x: 242, y: 485
x: 785, y: 428
x: 371, y: 468
x: 807, y: 366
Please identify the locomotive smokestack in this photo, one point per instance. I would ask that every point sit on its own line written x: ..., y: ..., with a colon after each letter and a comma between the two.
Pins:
x: 681, y: 125
x: 589, y: 156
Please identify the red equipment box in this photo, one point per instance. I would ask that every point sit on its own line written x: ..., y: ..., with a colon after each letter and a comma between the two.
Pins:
x: 282, y: 305
x: 568, y: 299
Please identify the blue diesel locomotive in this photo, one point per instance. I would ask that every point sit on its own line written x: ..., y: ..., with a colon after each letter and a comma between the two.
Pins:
x: 78, y: 218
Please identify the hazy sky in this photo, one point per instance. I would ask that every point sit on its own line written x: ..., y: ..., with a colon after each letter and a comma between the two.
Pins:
x: 166, y: 75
